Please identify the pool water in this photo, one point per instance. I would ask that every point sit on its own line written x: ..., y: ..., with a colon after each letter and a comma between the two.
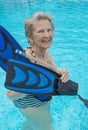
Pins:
x: 69, y: 49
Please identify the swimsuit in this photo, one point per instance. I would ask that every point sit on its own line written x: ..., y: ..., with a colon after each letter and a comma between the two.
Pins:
x: 28, y: 101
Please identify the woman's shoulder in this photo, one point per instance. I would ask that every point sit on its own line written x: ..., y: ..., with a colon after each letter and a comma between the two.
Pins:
x: 48, y: 53
x: 50, y: 57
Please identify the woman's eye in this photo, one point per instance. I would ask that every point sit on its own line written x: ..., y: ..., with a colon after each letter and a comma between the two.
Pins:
x: 41, y: 31
x: 49, y: 30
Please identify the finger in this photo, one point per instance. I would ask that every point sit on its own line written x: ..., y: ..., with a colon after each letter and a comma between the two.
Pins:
x: 65, y: 77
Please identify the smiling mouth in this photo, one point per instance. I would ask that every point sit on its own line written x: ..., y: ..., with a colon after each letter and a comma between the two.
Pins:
x: 46, y: 40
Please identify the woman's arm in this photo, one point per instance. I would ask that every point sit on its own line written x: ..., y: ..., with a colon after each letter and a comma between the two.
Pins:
x: 63, y: 72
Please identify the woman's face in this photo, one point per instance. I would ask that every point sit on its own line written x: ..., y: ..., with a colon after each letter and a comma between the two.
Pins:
x: 42, y: 34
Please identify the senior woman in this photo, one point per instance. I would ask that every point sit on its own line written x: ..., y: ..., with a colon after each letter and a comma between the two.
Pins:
x: 39, y: 30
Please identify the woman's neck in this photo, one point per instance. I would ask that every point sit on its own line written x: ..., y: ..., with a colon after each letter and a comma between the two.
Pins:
x: 39, y: 52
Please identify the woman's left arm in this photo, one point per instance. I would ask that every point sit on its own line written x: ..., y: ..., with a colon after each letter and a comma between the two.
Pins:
x: 63, y: 72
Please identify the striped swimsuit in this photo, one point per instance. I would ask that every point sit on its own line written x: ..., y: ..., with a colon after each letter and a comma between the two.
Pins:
x: 28, y: 101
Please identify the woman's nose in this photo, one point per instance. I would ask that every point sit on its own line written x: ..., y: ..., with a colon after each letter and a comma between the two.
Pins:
x: 46, y: 34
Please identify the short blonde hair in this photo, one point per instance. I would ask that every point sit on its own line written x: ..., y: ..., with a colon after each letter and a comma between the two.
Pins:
x: 29, y: 23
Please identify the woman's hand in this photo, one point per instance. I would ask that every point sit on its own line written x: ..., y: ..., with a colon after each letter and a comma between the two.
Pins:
x: 64, y: 75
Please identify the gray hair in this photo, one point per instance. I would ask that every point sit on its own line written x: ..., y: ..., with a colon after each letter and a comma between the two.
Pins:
x: 29, y: 23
